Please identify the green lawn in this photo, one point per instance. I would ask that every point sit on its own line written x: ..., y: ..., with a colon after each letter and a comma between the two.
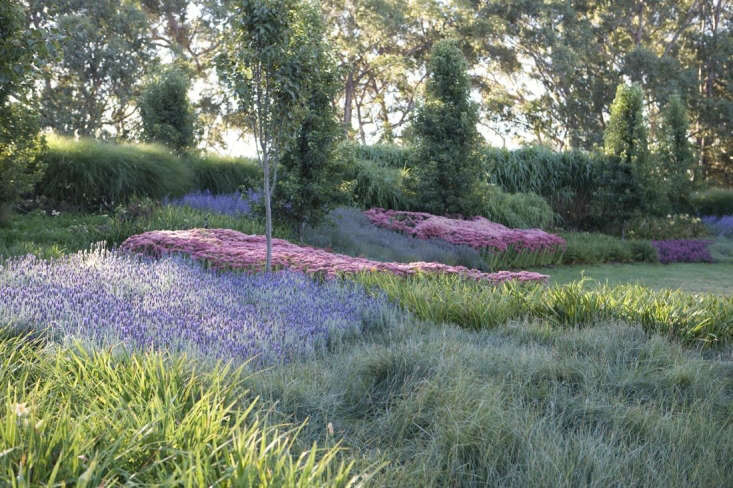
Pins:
x: 692, y: 277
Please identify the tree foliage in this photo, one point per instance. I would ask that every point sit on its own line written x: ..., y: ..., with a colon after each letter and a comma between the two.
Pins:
x: 20, y: 143
x: 167, y: 116
x: 446, y: 164
x: 626, y: 181
x: 676, y: 159
x: 105, y: 52
x: 311, y: 168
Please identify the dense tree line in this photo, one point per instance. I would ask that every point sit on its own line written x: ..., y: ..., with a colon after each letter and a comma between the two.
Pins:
x: 546, y: 71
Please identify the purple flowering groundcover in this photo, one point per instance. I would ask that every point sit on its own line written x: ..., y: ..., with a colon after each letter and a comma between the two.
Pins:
x: 227, y: 204
x: 722, y: 226
x: 683, y: 251
x: 174, y: 305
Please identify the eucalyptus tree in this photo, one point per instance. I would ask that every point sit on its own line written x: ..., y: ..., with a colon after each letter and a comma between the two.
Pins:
x: 266, y: 62
x: 105, y: 51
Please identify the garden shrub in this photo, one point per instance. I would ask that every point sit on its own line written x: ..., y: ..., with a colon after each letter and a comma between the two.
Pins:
x: 675, y: 155
x: 713, y: 201
x: 681, y: 226
x: 93, y: 174
x: 683, y: 251
x: 311, y: 170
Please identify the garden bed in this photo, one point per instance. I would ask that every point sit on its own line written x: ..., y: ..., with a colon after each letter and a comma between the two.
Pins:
x: 496, y: 242
x: 229, y: 249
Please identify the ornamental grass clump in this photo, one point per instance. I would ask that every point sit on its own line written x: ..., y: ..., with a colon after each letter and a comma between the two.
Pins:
x: 229, y: 249
x: 498, y: 243
x: 174, y: 305
x: 691, y: 318
x: 683, y: 251
x: 78, y: 418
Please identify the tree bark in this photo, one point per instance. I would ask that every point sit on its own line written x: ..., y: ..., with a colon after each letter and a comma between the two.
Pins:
x: 268, y: 212
x: 348, y: 101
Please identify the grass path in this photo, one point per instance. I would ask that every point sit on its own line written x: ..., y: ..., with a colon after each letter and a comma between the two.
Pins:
x: 691, y: 277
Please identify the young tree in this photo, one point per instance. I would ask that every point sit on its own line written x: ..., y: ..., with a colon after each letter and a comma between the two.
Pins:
x: 20, y: 142
x: 626, y: 134
x: 166, y: 112
x: 625, y: 141
x: 264, y: 62
x: 446, y: 137
x: 310, y: 180
x: 676, y: 155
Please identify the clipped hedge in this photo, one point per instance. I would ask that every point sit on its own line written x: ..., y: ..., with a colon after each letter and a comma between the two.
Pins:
x: 92, y: 174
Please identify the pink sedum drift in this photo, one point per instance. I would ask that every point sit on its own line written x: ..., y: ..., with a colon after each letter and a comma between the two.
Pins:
x: 226, y: 248
x: 477, y: 232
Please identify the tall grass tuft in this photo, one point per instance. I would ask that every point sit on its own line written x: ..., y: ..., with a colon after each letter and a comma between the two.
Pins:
x: 97, y: 419
x: 219, y: 174
x: 372, y: 185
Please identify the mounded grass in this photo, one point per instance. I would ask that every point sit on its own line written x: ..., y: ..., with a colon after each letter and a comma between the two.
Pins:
x: 219, y: 174
x: 521, y: 405
x: 92, y: 174
x: 97, y: 419
x: 694, y: 319
x: 690, y: 277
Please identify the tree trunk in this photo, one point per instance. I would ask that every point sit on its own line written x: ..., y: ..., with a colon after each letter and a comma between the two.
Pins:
x: 348, y: 101
x: 268, y: 212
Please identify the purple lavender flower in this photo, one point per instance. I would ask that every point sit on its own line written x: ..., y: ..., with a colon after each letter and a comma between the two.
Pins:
x: 721, y: 226
x: 227, y: 204
x: 175, y: 305
x: 683, y: 251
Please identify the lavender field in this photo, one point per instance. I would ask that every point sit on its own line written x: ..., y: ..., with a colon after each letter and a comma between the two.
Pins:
x: 176, y: 306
